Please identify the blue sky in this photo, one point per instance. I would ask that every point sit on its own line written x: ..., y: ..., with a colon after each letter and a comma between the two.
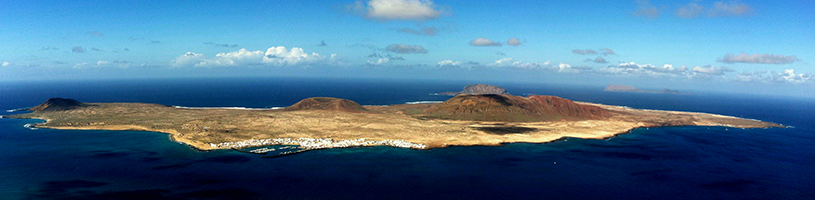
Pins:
x: 748, y: 46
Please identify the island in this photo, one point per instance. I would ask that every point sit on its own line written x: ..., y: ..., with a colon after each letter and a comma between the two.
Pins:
x: 476, y: 89
x: 628, y: 88
x: 325, y: 122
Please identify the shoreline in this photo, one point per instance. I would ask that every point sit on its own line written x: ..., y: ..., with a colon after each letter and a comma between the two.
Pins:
x: 328, y: 143
x: 223, y: 128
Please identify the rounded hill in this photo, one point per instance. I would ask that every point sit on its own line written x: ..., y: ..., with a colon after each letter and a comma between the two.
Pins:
x: 57, y: 104
x: 327, y: 103
x: 509, y: 108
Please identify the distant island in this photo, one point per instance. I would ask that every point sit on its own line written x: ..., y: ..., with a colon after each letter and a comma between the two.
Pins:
x: 325, y: 122
x: 477, y: 89
x: 628, y: 88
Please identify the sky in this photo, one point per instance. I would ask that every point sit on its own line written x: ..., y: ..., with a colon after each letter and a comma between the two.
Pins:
x: 760, y: 47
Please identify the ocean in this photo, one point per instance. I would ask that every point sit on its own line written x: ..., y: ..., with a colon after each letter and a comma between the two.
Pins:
x: 655, y: 163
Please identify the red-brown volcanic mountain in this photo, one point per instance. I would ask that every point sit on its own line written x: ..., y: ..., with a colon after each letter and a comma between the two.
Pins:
x: 327, y: 103
x: 492, y: 107
x: 57, y: 104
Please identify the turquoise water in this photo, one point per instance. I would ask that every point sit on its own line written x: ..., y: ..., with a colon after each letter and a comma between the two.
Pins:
x: 655, y: 163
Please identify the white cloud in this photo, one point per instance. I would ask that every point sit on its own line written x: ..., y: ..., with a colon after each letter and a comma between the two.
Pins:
x: 405, y: 49
x: 790, y: 76
x: 386, y: 10
x: 115, y: 63
x: 512, y: 64
x: 447, y: 63
x: 80, y: 65
x: 276, y: 56
x: 514, y: 41
x: 503, y: 61
x: 646, y: 10
x: 787, y: 76
x: 710, y: 70
x: 6, y: 64
x: 731, y: 9
x: 484, y: 42
x: 188, y: 59
x: 758, y: 58
x: 566, y: 68
x: 102, y: 62
x: 380, y: 61
x: 648, y: 69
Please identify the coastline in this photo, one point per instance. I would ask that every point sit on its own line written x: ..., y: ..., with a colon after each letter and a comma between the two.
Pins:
x: 173, y: 136
x: 223, y: 128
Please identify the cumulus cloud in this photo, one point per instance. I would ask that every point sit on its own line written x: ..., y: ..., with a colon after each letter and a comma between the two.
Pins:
x: 115, y: 63
x: 731, y: 9
x: 690, y: 11
x: 566, y: 68
x: 510, y: 63
x: 81, y: 65
x: 787, y: 76
x: 648, y: 69
x: 380, y: 61
x: 698, y: 72
x: 584, y: 52
x: 514, y: 41
x: 78, y: 49
x: 386, y: 10
x: 405, y: 49
x: 428, y: 31
x: 597, y: 60
x: 6, y: 64
x: 646, y: 9
x: 711, y: 70
x: 758, y: 58
x: 484, y: 42
x: 275, y: 56
x: 448, y: 63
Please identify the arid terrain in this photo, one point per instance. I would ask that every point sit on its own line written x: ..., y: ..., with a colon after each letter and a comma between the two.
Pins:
x: 462, y: 120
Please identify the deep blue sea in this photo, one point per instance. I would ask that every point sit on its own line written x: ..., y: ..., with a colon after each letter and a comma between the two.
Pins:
x: 654, y: 163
